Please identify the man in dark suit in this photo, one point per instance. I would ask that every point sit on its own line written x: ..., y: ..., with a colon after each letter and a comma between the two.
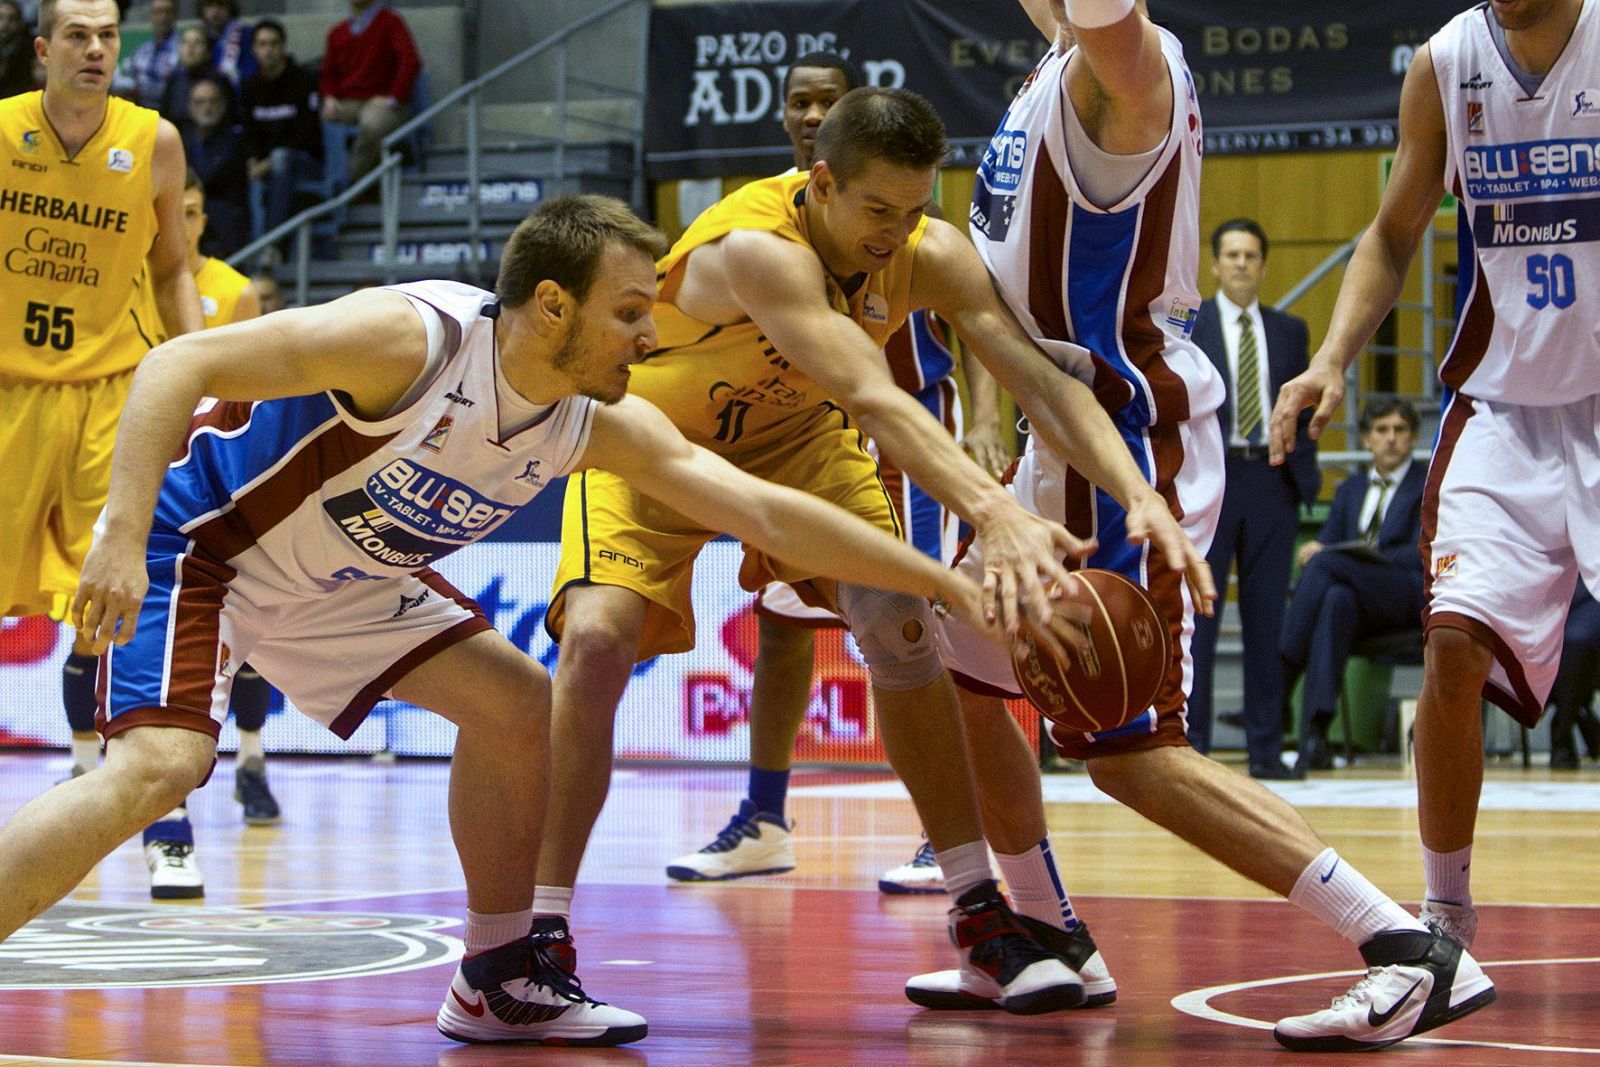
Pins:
x: 1362, y: 576
x: 1257, y: 349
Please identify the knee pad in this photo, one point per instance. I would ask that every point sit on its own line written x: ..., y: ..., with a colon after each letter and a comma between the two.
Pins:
x: 78, y: 680
x: 895, y: 634
x: 251, y: 697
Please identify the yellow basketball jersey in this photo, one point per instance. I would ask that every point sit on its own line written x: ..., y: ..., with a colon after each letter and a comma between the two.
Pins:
x: 727, y: 387
x: 74, y: 236
x: 220, y: 286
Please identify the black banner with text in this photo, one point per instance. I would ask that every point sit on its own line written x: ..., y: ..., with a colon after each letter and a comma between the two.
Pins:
x: 1272, y: 77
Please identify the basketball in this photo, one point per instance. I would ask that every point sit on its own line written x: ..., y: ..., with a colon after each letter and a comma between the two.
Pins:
x: 1117, y: 678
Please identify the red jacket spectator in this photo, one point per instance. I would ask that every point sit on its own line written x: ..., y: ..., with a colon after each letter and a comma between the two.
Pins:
x: 370, y: 54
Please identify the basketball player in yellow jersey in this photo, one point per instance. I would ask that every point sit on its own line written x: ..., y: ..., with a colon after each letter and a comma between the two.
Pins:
x: 771, y: 314
x: 225, y: 294
x: 91, y: 227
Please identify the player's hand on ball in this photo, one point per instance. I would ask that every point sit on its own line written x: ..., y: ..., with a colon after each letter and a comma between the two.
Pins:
x: 1022, y: 553
x: 1066, y: 633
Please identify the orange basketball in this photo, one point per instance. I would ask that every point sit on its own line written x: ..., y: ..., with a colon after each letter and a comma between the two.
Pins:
x: 1117, y: 679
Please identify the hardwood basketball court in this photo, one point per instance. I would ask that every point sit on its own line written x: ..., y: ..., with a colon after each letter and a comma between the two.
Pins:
x: 331, y: 939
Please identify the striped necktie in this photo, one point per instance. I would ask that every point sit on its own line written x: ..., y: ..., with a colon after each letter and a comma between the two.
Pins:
x: 1375, y: 524
x: 1247, y: 404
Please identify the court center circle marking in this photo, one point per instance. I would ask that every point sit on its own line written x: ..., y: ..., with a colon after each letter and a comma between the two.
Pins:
x: 1197, y: 1003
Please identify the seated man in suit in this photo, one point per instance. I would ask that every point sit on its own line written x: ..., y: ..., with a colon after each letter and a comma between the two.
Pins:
x: 1362, y: 576
x: 1256, y: 349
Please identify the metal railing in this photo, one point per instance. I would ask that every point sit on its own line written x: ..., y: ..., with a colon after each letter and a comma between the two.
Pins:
x: 387, y: 174
x: 1427, y: 307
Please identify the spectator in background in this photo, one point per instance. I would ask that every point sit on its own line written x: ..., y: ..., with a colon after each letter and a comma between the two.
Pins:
x: 283, y: 139
x: 153, y: 62
x: 369, y: 68
x: 16, y: 51
x: 215, y: 149
x: 1575, y: 684
x: 1361, y: 576
x: 194, y: 63
x: 1256, y: 349
x: 229, y: 37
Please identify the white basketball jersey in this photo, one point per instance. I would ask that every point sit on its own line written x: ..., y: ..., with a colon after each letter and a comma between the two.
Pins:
x: 1119, y: 281
x: 303, y: 493
x: 1527, y: 171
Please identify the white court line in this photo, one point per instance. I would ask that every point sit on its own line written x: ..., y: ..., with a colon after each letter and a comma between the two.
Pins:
x: 1197, y: 1003
x: 1321, y: 792
x: 459, y: 887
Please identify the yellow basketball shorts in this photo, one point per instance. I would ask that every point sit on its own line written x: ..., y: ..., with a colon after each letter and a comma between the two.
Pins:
x: 57, y: 439
x: 613, y: 535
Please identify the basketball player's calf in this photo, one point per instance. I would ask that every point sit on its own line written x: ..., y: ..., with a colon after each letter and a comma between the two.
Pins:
x: 54, y: 840
x: 1001, y: 958
x: 517, y: 981
x: 1250, y: 829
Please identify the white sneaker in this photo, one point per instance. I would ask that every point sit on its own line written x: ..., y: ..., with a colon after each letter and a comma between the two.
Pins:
x: 922, y: 875
x: 752, y: 843
x: 1459, y: 921
x: 1002, y: 964
x: 1415, y: 981
x: 174, y: 872
x: 527, y: 991
x: 946, y: 991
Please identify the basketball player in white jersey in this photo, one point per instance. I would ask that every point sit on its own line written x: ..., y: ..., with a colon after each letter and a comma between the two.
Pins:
x: 1501, y: 108
x: 349, y: 446
x: 1086, y: 212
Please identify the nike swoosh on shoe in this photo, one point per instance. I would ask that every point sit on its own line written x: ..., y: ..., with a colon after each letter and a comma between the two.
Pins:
x: 1376, y: 1019
x: 474, y: 1010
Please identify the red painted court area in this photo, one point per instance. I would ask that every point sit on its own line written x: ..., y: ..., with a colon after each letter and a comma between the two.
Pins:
x: 754, y: 975
x: 803, y: 969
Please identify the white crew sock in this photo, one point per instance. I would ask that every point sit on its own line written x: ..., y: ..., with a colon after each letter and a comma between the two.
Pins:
x: 250, y: 746
x: 1449, y: 875
x: 1036, y: 888
x: 85, y: 752
x: 491, y: 931
x: 1341, y: 896
x: 965, y: 867
x: 553, y: 900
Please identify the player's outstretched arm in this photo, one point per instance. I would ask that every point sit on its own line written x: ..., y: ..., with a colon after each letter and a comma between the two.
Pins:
x: 985, y: 440
x: 1060, y: 409
x: 1377, y: 270
x: 1121, y: 51
x: 634, y: 440
x: 780, y: 286
x: 168, y: 258
x: 369, y: 346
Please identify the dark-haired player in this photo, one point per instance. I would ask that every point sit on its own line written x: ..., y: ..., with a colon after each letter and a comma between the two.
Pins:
x: 773, y: 310
x: 757, y: 840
